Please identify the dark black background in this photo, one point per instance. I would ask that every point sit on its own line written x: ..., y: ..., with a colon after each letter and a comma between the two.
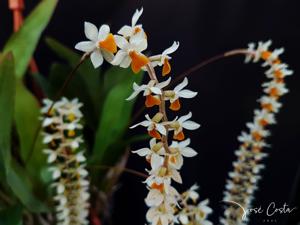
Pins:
x: 227, y: 90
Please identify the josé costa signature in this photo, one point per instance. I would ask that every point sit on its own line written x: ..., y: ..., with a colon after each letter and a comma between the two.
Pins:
x: 271, y: 210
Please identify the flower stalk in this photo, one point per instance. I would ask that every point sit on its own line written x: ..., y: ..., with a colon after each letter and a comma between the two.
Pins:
x: 243, y: 180
x: 165, y: 160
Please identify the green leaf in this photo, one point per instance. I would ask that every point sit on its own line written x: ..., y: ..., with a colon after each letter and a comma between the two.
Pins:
x: 114, y: 76
x: 137, y: 138
x: 16, y: 177
x: 7, y: 96
x: 116, y: 113
x: 23, y: 42
x: 21, y: 184
x: 11, y: 216
x: 26, y: 116
x: 28, y: 125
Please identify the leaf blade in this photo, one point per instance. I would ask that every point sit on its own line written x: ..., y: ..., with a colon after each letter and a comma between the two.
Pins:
x: 116, y: 112
x: 16, y: 177
x: 24, y: 42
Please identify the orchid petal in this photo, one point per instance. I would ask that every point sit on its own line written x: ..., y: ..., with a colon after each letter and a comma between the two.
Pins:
x: 97, y: 59
x: 119, y: 57
x: 190, y: 125
x: 91, y: 31
x: 103, y: 32
x: 142, y: 152
x: 136, y: 16
x: 85, y: 46
x: 121, y: 41
x: 171, y: 49
x: 188, y: 152
x: 185, y: 117
x: 187, y: 94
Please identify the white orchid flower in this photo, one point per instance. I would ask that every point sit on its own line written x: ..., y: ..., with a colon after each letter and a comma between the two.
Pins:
x: 156, y: 217
x: 128, y: 31
x: 264, y: 117
x: 154, y: 198
x: 204, y: 208
x: 153, y: 126
x: 271, y: 57
x: 130, y: 52
x: 151, y: 88
x: 257, y: 131
x: 101, y: 44
x: 178, y: 92
x: 256, y: 54
x: 163, y: 59
x: 192, y: 193
x: 270, y: 104
x: 183, y: 122
x: 153, y: 154
x: 278, y: 71
x: 163, y: 175
x: 275, y: 89
x: 178, y: 150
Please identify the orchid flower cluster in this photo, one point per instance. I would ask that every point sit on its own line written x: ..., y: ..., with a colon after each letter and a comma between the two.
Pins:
x: 190, y: 213
x: 126, y: 49
x: 123, y: 49
x: 243, y: 180
x: 165, y: 156
x: 61, y: 125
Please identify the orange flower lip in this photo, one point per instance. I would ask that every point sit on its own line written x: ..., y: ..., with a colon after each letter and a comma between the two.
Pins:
x: 166, y: 68
x: 267, y: 106
x: 263, y: 122
x: 175, y: 106
x: 159, y: 187
x: 274, y: 92
x: 180, y: 136
x: 152, y: 101
x: 154, y: 133
x: 265, y: 55
x: 257, y: 136
x: 278, y: 74
x: 138, y: 61
x: 109, y: 44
